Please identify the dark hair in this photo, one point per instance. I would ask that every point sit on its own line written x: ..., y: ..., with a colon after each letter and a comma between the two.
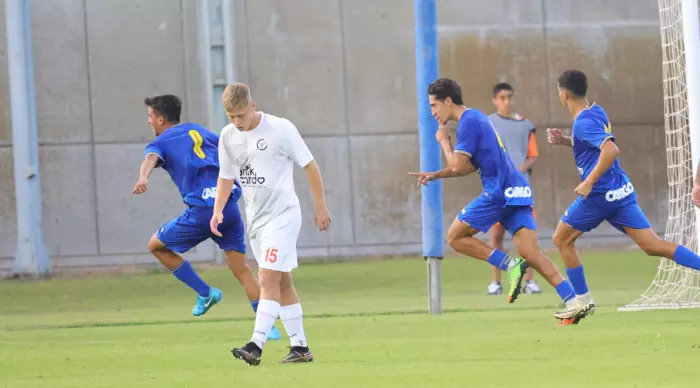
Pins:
x: 445, y: 87
x: 575, y: 82
x: 168, y: 105
x: 501, y: 86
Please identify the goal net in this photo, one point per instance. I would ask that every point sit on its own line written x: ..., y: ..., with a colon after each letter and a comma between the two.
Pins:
x: 675, y: 286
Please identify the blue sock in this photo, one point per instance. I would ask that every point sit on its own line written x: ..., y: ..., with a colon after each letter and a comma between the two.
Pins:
x: 685, y: 257
x: 565, y: 291
x: 578, y: 279
x: 185, y: 273
x: 499, y: 259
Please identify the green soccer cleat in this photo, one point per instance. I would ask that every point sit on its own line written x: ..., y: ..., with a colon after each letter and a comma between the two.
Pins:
x: 515, y: 278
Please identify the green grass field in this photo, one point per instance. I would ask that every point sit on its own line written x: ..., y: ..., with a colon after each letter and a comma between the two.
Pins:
x: 366, y: 323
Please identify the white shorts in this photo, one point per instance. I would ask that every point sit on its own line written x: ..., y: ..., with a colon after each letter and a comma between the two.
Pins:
x: 275, y: 244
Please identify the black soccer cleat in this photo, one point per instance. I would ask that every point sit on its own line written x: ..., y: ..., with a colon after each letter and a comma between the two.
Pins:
x: 298, y: 354
x: 250, y: 353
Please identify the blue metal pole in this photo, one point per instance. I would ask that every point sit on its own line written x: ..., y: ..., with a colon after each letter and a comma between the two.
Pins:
x: 31, y: 256
x: 430, y: 158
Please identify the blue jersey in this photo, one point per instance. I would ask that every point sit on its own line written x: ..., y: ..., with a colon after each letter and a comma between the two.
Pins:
x: 591, y: 130
x: 190, y: 155
x: 477, y: 138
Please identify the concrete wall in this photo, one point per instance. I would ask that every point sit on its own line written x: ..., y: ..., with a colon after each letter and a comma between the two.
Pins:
x: 343, y: 71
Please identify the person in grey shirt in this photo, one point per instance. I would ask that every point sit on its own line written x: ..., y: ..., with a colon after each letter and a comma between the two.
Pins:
x: 518, y: 135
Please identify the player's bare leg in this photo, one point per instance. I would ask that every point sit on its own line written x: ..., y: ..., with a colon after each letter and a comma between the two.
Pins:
x: 525, y: 241
x: 167, y: 257
x: 206, y: 296
x: 461, y: 238
x: 238, y: 264
x: 652, y: 245
x: 496, y: 236
x: 291, y: 315
x: 268, y: 310
x: 564, y: 239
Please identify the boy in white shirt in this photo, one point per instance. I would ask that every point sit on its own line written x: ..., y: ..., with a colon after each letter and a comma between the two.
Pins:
x: 260, y: 149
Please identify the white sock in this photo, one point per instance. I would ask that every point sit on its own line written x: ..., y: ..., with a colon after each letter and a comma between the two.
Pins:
x: 291, y: 317
x: 584, y: 298
x: 264, y: 320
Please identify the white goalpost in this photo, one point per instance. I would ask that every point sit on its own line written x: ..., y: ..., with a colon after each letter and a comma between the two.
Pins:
x: 676, y: 287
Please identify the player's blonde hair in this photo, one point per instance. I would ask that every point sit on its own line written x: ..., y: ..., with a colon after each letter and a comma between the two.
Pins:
x: 236, y: 96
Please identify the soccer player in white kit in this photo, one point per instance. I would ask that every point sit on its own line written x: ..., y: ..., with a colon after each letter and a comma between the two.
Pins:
x: 260, y: 150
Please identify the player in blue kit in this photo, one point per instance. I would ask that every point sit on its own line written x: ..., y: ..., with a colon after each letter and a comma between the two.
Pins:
x: 189, y: 153
x: 605, y: 194
x: 506, y: 195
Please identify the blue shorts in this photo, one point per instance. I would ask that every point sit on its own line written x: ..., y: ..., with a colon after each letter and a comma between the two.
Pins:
x: 192, y: 227
x: 586, y: 214
x: 482, y: 214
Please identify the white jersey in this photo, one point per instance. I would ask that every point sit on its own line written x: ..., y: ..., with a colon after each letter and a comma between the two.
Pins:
x: 262, y: 160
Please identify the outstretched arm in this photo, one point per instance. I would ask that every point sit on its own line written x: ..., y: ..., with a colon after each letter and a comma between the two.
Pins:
x: 147, y: 167
x: 458, y: 160
x: 459, y: 166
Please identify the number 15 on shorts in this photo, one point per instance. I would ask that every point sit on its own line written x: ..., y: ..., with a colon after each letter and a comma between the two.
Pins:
x: 270, y: 255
